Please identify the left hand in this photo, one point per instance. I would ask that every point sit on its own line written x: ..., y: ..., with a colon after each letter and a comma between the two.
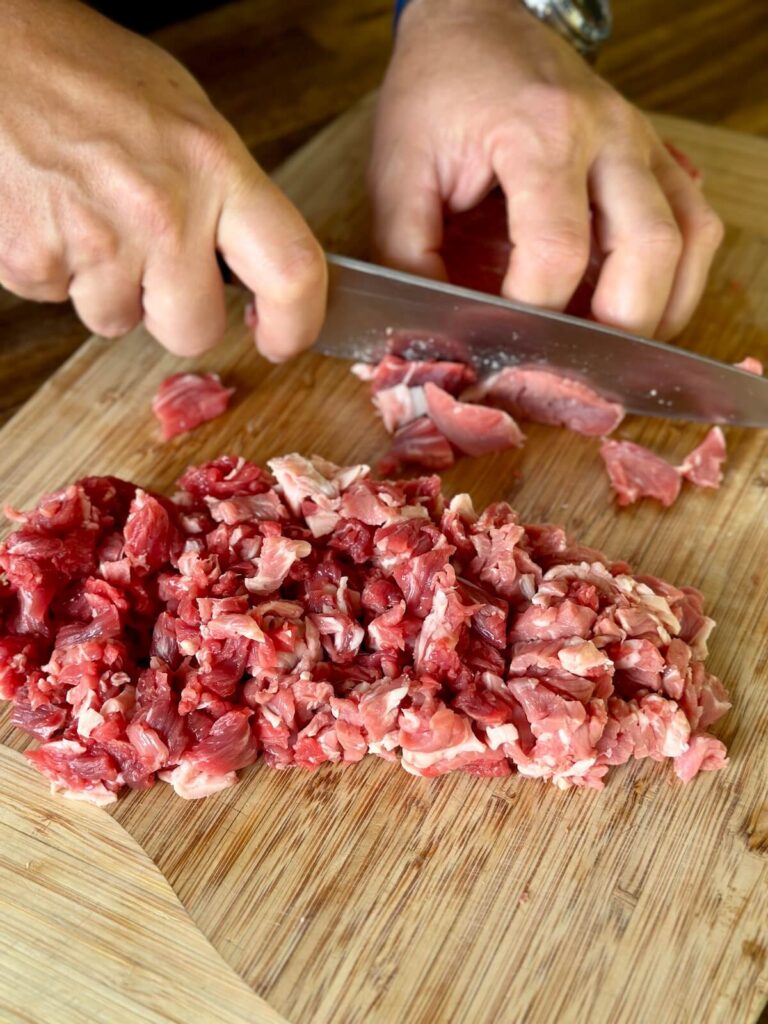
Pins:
x: 479, y: 92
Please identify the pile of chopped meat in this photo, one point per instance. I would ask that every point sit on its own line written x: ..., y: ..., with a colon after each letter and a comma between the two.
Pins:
x: 314, y: 615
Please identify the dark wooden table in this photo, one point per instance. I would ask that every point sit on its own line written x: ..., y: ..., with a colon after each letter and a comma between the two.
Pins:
x: 280, y: 69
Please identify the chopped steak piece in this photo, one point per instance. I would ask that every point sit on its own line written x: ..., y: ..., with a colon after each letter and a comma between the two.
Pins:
x: 751, y: 365
x: 399, y: 405
x: 703, y: 466
x: 704, y: 753
x: 185, y: 400
x: 393, y: 370
x: 473, y: 429
x: 637, y: 472
x: 545, y: 396
x: 315, y: 615
x: 419, y: 443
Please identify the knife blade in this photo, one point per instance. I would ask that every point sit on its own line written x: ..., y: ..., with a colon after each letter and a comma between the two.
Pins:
x: 371, y: 309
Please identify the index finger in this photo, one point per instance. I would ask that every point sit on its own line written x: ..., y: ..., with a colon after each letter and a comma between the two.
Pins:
x: 268, y: 245
x: 407, y: 216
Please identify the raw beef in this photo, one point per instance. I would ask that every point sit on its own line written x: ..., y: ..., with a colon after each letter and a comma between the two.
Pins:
x: 703, y: 466
x: 533, y: 393
x: 473, y: 418
x: 419, y: 443
x: 637, y: 472
x: 185, y: 400
x: 400, y: 405
x: 393, y: 370
x: 473, y: 429
x: 416, y: 402
x: 313, y: 615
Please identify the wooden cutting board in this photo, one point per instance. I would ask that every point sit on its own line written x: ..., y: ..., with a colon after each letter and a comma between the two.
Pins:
x: 364, y: 894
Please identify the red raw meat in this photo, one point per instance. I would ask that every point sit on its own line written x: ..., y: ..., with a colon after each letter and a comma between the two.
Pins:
x: 316, y: 615
x: 404, y: 393
x: 636, y: 472
x: 473, y: 429
x: 419, y: 443
x: 703, y: 466
x: 185, y: 400
x: 544, y: 396
x: 400, y: 405
x: 750, y: 365
x: 393, y: 370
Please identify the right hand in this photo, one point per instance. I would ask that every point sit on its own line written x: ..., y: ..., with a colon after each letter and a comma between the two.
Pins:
x: 119, y: 182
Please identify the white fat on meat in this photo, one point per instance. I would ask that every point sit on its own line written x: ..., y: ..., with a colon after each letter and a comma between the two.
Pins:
x: 582, y: 658
x: 462, y: 505
x: 97, y: 793
x: 192, y: 784
x: 278, y: 555
x: 400, y: 405
x: 298, y: 478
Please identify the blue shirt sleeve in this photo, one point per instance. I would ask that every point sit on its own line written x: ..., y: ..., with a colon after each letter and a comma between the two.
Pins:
x: 400, y: 6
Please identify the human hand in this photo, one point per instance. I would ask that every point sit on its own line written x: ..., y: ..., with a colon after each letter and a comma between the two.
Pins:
x: 480, y: 92
x: 119, y: 182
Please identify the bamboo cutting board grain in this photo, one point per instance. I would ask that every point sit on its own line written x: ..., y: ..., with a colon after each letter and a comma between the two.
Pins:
x: 366, y: 896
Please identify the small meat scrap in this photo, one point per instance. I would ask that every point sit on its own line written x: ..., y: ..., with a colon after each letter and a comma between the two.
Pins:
x: 309, y: 615
x: 473, y: 429
x: 394, y: 370
x: 417, y: 402
x: 750, y: 365
x: 399, y: 405
x: 704, y: 466
x: 637, y: 472
x: 545, y: 396
x: 419, y: 443
x: 185, y: 400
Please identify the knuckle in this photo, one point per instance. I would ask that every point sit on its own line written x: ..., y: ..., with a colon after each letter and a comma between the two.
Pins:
x: 158, y: 211
x: 153, y: 205
x: 663, y: 236
x: 709, y: 229
x: 565, y: 250
x: 208, y: 144
x: 26, y: 266
x: 562, y: 108
x: 107, y: 326
x: 560, y: 120
x: 622, y: 114
x: 301, y: 269
x: 92, y: 242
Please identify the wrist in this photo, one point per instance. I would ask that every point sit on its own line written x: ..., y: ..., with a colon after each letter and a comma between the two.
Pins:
x: 437, y: 13
x: 585, y: 24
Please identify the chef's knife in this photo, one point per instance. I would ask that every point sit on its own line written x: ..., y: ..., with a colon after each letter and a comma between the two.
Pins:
x: 373, y: 310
